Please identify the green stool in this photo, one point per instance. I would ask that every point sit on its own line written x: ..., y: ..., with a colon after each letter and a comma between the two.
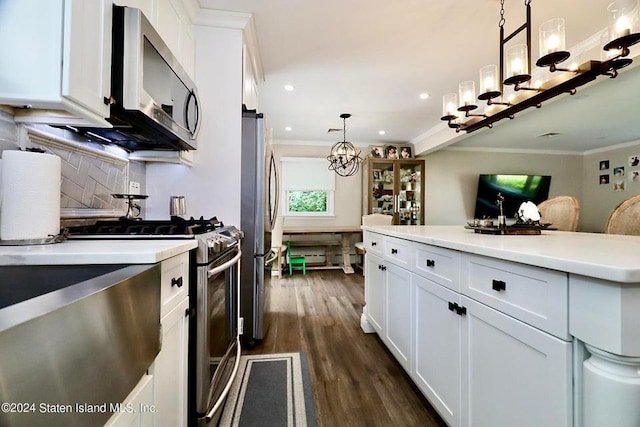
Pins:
x: 295, y: 260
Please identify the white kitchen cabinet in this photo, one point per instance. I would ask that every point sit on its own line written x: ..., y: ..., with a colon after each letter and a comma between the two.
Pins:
x: 398, y: 313
x: 475, y: 334
x: 388, y: 309
x: 137, y: 409
x: 170, y: 367
x: 375, y: 292
x: 512, y: 374
x: 436, y: 366
x: 58, y: 60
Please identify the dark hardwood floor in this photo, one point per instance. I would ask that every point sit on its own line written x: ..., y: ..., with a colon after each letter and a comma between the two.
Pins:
x: 356, y: 381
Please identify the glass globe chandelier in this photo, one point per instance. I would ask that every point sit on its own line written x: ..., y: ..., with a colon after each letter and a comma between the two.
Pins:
x: 344, y: 158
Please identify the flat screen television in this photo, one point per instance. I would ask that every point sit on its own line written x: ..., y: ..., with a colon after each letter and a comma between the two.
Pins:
x: 516, y: 189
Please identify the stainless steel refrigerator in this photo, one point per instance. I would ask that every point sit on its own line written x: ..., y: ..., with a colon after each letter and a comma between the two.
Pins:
x: 258, y: 210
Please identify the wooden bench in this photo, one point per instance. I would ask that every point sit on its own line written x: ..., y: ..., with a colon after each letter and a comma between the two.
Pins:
x: 329, y: 250
x: 342, y: 232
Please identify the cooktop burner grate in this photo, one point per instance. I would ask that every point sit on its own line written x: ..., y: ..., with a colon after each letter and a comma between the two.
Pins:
x: 129, y: 227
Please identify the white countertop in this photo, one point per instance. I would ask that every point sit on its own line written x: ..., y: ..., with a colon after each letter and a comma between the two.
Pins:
x: 95, y: 252
x: 603, y: 256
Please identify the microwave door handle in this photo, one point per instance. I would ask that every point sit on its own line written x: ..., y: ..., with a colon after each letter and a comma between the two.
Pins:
x: 196, y: 105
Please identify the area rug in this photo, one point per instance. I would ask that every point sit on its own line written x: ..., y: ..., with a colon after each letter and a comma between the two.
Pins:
x: 271, y: 390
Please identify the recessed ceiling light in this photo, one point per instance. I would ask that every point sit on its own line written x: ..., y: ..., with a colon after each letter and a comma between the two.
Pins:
x: 424, y: 95
x: 288, y: 128
x: 381, y: 132
x: 288, y: 88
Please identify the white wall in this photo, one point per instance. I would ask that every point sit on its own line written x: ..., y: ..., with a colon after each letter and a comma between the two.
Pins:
x: 212, y: 185
x: 348, y: 190
x: 451, y: 179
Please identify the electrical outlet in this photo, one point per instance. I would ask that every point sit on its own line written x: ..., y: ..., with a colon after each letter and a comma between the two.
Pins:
x: 134, y: 187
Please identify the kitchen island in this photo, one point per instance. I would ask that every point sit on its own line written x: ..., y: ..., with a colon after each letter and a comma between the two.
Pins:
x: 510, y: 330
x: 95, y: 332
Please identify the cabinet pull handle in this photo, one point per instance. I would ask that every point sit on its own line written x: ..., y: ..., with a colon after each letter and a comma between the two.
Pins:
x: 383, y: 268
x: 176, y: 282
x: 394, y: 251
x: 498, y: 285
x: 431, y: 263
x: 374, y: 244
x: 460, y: 310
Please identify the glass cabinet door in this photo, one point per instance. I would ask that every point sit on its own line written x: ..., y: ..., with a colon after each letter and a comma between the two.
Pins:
x: 409, y: 193
x: 382, y: 196
x: 395, y: 188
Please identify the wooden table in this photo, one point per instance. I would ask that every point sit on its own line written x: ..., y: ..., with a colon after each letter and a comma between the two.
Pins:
x: 345, y: 238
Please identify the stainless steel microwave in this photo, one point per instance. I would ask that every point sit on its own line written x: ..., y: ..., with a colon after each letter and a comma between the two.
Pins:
x: 154, y: 102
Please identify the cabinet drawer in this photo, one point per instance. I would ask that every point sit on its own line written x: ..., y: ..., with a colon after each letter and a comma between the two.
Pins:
x: 437, y: 264
x: 537, y: 296
x: 397, y: 251
x: 373, y: 242
x: 175, y: 282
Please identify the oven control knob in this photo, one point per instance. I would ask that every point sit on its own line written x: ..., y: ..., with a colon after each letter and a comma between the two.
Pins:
x: 217, y: 244
x: 237, y: 234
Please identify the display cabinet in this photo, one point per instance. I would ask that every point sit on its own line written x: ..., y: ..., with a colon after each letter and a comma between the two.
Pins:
x: 395, y: 187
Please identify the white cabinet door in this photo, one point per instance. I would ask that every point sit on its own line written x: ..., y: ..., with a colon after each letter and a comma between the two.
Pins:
x: 398, y: 313
x: 436, y: 356
x: 86, y: 65
x: 375, y: 291
x: 137, y: 409
x: 60, y: 60
x: 512, y: 374
x: 170, y: 369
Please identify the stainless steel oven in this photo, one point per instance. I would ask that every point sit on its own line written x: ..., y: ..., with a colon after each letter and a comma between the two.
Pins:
x: 218, y: 328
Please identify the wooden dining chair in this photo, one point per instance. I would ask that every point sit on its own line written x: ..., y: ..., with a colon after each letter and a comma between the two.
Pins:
x: 295, y: 260
x: 562, y: 212
x: 371, y: 219
x: 625, y: 218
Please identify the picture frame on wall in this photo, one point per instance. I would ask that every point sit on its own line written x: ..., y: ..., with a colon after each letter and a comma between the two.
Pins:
x: 376, y: 151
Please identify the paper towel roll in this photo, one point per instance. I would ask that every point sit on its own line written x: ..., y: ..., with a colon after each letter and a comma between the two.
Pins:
x: 30, y: 206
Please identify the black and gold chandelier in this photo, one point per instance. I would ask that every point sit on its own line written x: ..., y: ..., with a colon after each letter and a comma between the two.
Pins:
x: 344, y: 158
x: 624, y: 23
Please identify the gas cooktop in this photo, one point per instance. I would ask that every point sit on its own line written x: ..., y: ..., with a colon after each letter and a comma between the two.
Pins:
x: 174, y: 228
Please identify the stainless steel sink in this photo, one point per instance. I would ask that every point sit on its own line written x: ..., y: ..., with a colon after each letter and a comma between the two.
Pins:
x: 74, y: 337
x: 23, y: 282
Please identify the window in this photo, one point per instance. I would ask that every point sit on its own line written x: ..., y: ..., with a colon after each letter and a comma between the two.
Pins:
x: 308, y: 187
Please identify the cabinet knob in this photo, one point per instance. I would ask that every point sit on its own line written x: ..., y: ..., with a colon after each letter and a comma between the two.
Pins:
x: 498, y: 285
x: 177, y: 282
x: 383, y: 268
x: 431, y: 263
x: 394, y: 251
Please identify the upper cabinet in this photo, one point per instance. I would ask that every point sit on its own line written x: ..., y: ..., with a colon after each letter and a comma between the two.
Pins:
x: 395, y: 187
x: 58, y: 60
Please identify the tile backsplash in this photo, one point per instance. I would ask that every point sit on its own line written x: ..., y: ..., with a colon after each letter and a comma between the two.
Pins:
x: 90, y: 175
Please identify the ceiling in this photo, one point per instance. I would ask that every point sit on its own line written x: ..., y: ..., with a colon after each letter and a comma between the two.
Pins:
x: 374, y: 61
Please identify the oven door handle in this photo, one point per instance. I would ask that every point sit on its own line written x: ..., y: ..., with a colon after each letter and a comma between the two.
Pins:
x: 227, y: 388
x: 224, y: 266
